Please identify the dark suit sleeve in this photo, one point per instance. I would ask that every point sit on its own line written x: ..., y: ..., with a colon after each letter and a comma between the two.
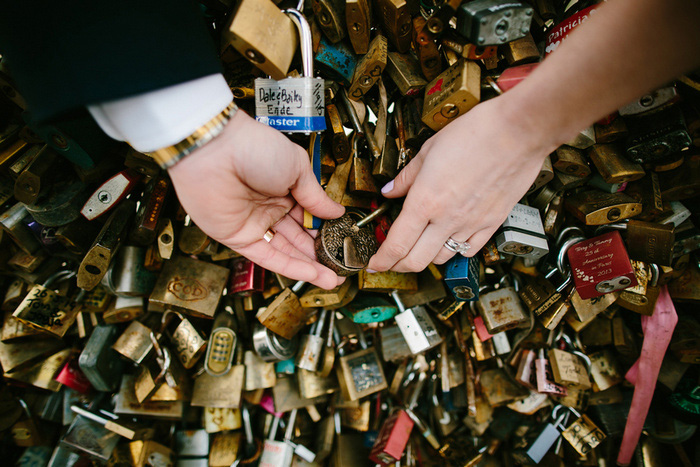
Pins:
x: 68, y: 54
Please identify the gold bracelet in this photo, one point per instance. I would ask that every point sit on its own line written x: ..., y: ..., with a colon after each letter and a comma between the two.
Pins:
x: 170, y: 155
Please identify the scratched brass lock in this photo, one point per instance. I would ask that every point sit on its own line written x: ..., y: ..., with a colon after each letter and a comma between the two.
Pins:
x: 346, y: 244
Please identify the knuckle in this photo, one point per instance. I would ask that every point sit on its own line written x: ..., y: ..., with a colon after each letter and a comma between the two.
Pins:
x: 395, y: 250
x: 413, y: 265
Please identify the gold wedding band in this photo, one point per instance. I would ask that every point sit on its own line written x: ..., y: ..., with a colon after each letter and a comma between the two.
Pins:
x: 269, y: 235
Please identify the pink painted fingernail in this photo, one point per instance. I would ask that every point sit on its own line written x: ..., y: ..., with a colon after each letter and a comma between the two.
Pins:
x: 388, y: 187
x: 371, y: 271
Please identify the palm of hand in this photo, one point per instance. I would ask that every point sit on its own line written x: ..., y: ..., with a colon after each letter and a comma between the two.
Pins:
x: 249, y: 179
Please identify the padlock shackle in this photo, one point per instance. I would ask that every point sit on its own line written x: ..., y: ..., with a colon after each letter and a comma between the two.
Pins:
x: 417, y: 389
x: 566, y: 232
x: 331, y: 328
x: 490, y: 82
x: 351, y: 113
x: 374, y: 214
x: 275, y: 426
x: 58, y: 276
x: 305, y: 39
x: 289, y: 432
x: 298, y: 286
x: 655, y: 273
x: 563, y: 249
x: 165, y: 319
x: 558, y: 407
x: 395, y: 295
x: 622, y: 225
x: 317, y: 327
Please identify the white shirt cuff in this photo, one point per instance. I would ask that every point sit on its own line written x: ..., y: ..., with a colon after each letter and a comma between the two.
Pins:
x: 164, y: 117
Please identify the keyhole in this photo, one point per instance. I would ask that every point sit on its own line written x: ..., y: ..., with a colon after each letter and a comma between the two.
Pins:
x: 501, y: 27
x: 104, y: 196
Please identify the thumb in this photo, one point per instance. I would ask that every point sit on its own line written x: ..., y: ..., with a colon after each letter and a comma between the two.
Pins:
x: 309, y: 194
x: 400, y: 185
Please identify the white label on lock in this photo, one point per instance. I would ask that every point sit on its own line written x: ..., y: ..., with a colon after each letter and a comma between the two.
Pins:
x: 276, y: 454
x: 500, y: 343
x: 291, y: 104
x: 412, y: 332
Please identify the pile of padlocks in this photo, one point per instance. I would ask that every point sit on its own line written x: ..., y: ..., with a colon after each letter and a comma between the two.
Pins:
x: 131, y: 338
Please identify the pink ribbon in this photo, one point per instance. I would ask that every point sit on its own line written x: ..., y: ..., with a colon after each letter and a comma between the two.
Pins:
x: 658, y: 330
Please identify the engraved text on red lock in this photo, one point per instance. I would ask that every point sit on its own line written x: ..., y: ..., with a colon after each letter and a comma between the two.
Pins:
x: 601, y: 265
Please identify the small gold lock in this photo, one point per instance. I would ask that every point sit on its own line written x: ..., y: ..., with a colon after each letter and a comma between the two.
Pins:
x: 47, y: 311
x: 189, y: 345
x: 190, y: 286
x: 264, y: 35
x: 452, y: 93
x: 369, y: 68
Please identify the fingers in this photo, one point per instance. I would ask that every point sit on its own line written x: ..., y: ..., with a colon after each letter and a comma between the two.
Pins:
x: 309, y: 194
x: 280, y: 258
x: 296, y: 235
x: 426, y: 248
x: 402, y: 237
x: 477, y: 241
x: 404, y: 180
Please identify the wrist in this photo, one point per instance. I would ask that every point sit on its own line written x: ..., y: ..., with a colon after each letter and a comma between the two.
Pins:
x: 532, y: 134
x: 169, y: 156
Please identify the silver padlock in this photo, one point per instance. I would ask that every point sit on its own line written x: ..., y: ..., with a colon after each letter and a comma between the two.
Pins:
x: 127, y: 276
x: 279, y: 453
x: 294, y: 105
x: 501, y: 309
x: 543, y: 442
x: 522, y: 233
x: 312, y: 345
x: 416, y: 326
x: 272, y: 347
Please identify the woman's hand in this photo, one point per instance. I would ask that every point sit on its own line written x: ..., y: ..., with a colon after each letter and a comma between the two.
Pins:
x: 462, y: 184
x: 249, y: 179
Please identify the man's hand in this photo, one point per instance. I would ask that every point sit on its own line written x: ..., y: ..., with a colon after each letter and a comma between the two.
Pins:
x: 251, y: 178
x: 462, y: 184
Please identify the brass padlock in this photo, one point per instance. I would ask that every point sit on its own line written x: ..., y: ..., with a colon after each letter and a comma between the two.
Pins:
x: 595, y: 207
x: 369, y: 68
x: 312, y: 385
x: 27, y: 432
x: 46, y: 310
x: 259, y: 373
x: 387, y: 281
x: 454, y: 92
x: 570, y: 161
x: 217, y: 419
x: 501, y: 309
x: 221, y: 390
x: 189, y: 286
x: 346, y: 244
x: 316, y: 297
x: 264, y: 35
x: 583, y: 434
x: 425, y: 46
x: 330, y: 16
x: 612, y: 165
x: 285, y: 316
x: 360, y: 373
x: 395, y: 16
x: 135, y: 342
x: 358, y: 16
x: 521, y: 51
x: 189, y: 345
x: 340, y: 145
x: 97, y: 259
x: 568, y: 369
